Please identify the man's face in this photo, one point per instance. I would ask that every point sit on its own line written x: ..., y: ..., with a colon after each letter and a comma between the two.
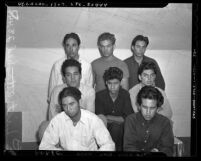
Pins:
x: 139, y: 48
x: 72, y: 76
x: 113, y: 86
x: 106, y: 48
x: 70, y: 106
x: 71, y: 48
x: 148, y: 108
x: 148, y: 77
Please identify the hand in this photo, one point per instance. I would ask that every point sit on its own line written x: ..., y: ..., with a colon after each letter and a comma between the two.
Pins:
x: 154, y: 150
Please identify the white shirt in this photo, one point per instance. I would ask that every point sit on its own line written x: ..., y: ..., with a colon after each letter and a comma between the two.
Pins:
x: 56, y: 75
x: 165, y: 109
x: 87, y: 100
x: 88, y: 131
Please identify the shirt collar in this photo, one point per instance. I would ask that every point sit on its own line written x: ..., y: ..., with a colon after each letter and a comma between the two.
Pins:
x: 82, y: 118
x: 143, y: 121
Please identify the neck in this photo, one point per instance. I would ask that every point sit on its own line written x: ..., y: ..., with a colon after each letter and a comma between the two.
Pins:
x: 76, y: 118
x: 138, y: 59
x: 76, y: 57
x: 114, y: 96
x: 108, y: 58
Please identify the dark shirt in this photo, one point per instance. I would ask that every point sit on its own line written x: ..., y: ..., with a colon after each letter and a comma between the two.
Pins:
x: 142, y: 135
x: 133, y: 67
x: 120, y: 107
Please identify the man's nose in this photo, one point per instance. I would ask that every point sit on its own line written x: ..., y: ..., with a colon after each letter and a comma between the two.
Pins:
x: 148, y: 111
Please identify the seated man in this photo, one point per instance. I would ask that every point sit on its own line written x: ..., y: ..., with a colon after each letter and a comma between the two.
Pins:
x: 147, y: 130
x: 113, y: 105
x: 147, y: 76
x: 74, y: 128
x: 71, y: 72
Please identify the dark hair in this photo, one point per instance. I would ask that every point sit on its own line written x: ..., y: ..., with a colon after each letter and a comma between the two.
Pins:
x: 140, y: 38
x: 150, y: 92
x: 73, y: 36
x: 106, y: 36
x: 69, y: 91
x: 147, y: 66
x: 113, y: 73
x: 70, y: 63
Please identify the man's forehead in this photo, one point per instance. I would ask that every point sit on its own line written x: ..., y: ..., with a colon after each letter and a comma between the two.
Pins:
x: 148, y: 71
x: 71, y: 69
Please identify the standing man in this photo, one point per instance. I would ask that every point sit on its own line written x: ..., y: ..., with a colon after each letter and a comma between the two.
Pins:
x: 74, y: 128
x: 147, y: 74
x: 113, y: 104
x: 138, y: 48
x: 71, y: 45
x: 106, y: 46
x: 147, y: 130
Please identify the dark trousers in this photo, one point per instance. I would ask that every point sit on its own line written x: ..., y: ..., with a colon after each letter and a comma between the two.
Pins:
x: 116, y: 131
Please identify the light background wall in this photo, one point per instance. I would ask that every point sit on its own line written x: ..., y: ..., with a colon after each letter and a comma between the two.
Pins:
x: 39, y: 33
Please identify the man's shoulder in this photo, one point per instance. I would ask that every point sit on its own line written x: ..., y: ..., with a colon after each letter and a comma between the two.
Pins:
x: 132, y: 116
x: 84, y: 61
x: 59, y: 117
x: 149, y: 59
x: 60, y: 60
x: 59, y: 87
x: 88, y: 115
x: 124, y: 92
x: 86, y: 89
x: 163, y: 119
x: 102, y: 92
x: 129, y: 59
x: 135, y: 88
x: 96, y: 61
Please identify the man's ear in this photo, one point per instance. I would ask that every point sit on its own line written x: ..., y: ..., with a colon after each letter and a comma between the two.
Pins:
x: 63, y: 79
x: 139, y: 77
x: 132, y: 47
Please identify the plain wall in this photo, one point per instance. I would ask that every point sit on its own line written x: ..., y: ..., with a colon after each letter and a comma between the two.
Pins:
x: 38, y: 33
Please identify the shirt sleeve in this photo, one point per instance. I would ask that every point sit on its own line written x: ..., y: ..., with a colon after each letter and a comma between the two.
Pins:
x: 127, y: 106
x: 53, y: 80
x: 99, y: 107
x: 130, y: 135
x: 54, y: 107
x: 133, y: 100
x: 50, y: 137
x: 90, y: 104
x: 90, y: 77
x: 159, y: 78
x: 166, y: 142
x: 166, y: 108
x: 102, y: 136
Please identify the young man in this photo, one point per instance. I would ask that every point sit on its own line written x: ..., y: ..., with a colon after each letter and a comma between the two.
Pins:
x: 113, y: 104
x: 147, y: 74
x: 106, y: 46
x: 74, y: 128
x: 138, y: 48
x: 147, y: 130
x: 71, y: 45
x: 72, y: 73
